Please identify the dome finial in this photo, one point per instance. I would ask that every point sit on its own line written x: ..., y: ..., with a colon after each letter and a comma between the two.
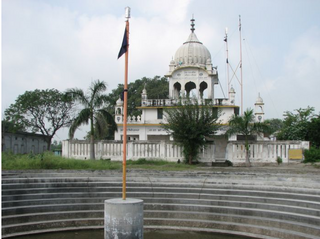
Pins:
x: 192, y: 24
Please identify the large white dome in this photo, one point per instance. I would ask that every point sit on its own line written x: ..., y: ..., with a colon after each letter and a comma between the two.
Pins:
x: 192, y: 52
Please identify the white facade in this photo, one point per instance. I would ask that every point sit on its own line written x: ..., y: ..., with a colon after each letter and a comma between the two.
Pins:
x: 191, y: 74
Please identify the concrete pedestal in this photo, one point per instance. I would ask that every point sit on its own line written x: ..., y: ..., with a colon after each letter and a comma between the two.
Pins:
x: 123, y: 219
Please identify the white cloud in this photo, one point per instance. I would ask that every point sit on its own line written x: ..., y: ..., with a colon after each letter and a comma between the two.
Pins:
x: 67, y: 43
x: 297, y: 86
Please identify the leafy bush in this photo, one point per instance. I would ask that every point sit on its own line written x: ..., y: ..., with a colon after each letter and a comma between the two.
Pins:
x: 312, y: 155
x: 279, y: 160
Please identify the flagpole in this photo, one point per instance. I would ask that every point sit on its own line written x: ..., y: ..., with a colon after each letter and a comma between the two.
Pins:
x: 241, y: 65
x: 227, y: 60
x: 125, y: 103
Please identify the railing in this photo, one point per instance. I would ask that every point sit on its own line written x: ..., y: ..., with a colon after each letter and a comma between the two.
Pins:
x: 80, y: 149
x: 263, y: 151
x: 175, y: 102
x: 260, y: 151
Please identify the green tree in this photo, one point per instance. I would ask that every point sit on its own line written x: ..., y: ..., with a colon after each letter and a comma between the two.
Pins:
x: 56, y: 146
x: 40, y: 111
x: 274, y: 124
x: 295, y: 125
x: 245, y: 125
x: 313, y: 131
x: 190, y: 123
x: 12, y: 127
x: 157, y: 88
x: 105, y: 133
x: 93, y: 111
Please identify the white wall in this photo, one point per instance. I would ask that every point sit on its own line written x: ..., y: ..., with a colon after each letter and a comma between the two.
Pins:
x: 260, y: 152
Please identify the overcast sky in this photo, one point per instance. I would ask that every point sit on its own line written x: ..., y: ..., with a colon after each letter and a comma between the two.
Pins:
x: 68, y: 43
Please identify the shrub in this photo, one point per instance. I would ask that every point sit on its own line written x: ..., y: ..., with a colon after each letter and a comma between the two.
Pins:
x: 229, y: 163
x: 279, y: 160
x: 312, y: 155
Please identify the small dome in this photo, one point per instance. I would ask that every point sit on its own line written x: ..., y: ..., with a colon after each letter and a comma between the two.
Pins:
x: 144, y: 91
x: 259, y: 99
x: 232, y: 90
x: 192, y: 51
x: 119, y: 102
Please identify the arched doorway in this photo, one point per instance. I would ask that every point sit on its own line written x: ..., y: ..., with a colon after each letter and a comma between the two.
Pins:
x: 191, y: 89
x: 203, y: 87
x: 176, y: 89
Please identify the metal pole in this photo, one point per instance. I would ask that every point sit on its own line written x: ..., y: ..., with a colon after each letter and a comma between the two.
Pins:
x: 241, y: 66
x: 227, y: 61
x: 125, y: 103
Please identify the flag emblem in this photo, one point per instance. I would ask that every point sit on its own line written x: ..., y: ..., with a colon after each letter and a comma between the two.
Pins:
x: 124, y: 46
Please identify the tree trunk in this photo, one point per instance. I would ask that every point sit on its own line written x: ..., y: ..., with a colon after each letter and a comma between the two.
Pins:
x: 49, y: 143
x: 190, y: 159
x: 248, y: 164
x: 92, y: 153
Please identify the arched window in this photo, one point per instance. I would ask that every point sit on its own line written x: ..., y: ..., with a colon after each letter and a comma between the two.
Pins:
x: 177, y: 89
x: 203, y: 87
x: 190, y: 89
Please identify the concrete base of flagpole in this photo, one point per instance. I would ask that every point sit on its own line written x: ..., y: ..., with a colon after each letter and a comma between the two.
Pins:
x: 123, y: 219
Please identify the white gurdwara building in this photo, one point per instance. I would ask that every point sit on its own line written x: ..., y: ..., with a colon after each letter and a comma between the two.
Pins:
x: 191, y: 73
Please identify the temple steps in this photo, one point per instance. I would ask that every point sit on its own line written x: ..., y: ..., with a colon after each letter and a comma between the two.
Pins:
x: 271, y: 206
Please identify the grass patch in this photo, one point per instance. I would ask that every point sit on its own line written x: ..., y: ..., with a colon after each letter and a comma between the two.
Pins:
x: 158, y: 164
x: 48, y: 160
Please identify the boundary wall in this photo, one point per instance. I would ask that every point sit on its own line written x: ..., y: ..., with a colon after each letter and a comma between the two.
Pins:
x: 260, y: 151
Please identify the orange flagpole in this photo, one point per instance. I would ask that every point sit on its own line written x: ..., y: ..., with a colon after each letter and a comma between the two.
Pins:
x: 125, y: 103
x: 241, y: 66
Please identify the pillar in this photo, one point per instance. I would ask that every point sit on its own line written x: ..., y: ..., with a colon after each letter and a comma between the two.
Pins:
x: 123, y: 219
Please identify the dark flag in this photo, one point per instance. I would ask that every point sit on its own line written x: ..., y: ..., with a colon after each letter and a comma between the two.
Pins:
x: 124, y: 45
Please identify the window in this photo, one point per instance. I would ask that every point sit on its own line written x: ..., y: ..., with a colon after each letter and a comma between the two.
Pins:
x: 160, y: 113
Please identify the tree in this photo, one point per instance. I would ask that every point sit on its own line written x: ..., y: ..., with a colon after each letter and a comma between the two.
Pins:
x: 12, y: 127
x: 190, y: 123
x: 245, y: 125
x: 44, y: 111
x: 295, y: 125
x: 56, y: 145
x: 93, y: 111
x: 157, y: 88
x: 274, y: 124
x: 313, y: 131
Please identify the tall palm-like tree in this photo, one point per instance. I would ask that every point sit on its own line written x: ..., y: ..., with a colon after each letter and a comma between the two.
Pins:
x: 93, y: 111
x: 245, y: 125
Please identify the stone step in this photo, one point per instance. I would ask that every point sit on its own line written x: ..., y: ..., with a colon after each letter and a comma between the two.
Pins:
x: 208, y: 230
x: 239, y: 180
x: 100, y: 197
x: 264, y: 205
x: 235, y: 227
x: 205, y: 191
x: 185, y: 223
x: 231, y: 218
x: 228, y: 209
x: 234, y: 218
x: 307, y: 208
